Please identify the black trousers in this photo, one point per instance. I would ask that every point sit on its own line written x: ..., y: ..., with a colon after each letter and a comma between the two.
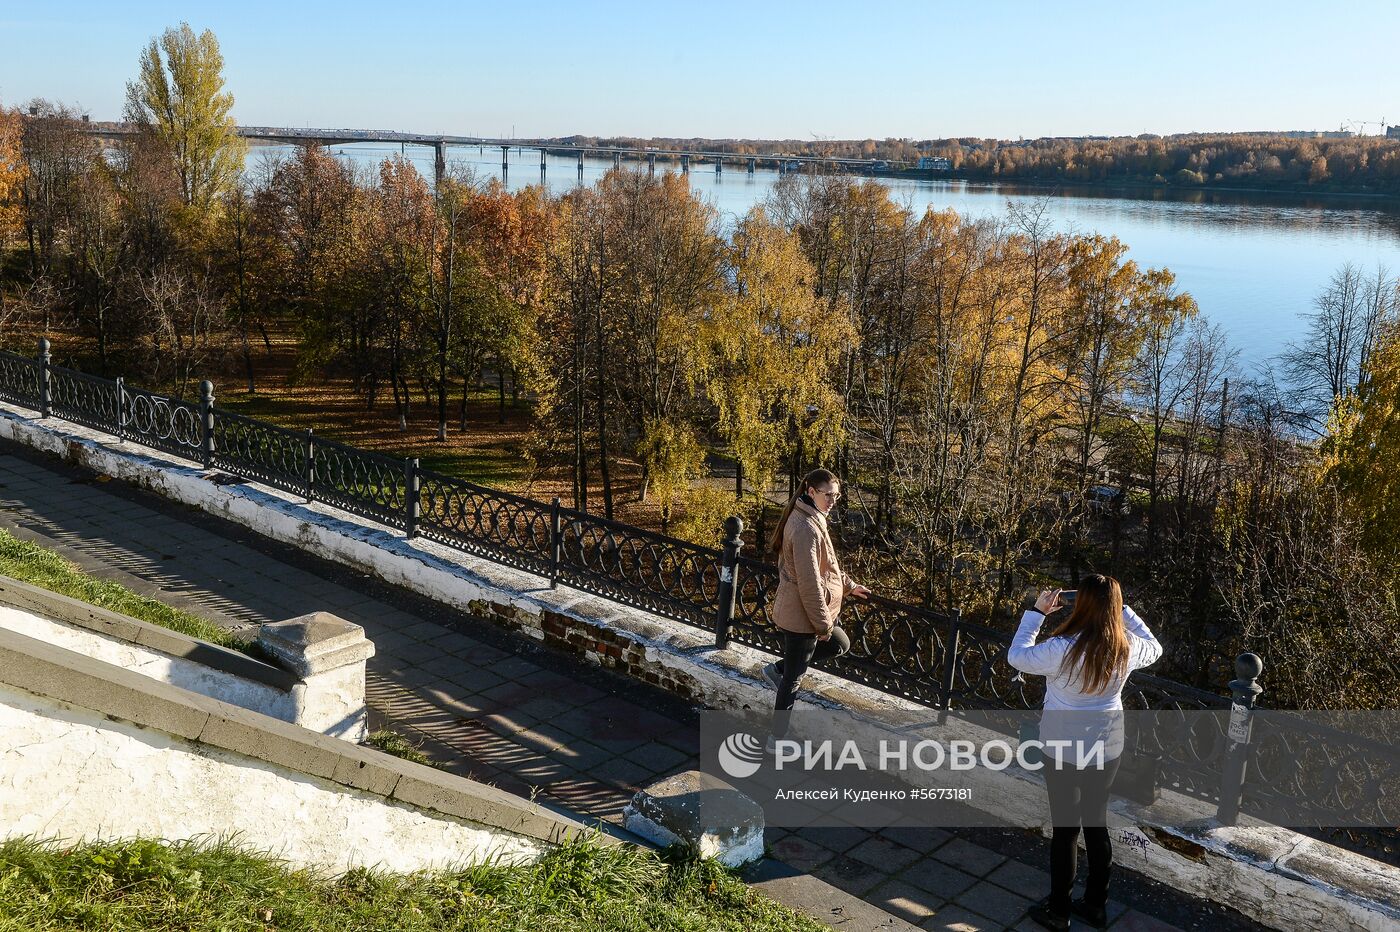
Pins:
x: 799, y: 652
x: 1079, y: 798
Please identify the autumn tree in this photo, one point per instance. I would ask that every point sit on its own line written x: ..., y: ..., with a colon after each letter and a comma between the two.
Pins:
x: 179, y: 98
x: 772, y: 352
x: 13, y: 173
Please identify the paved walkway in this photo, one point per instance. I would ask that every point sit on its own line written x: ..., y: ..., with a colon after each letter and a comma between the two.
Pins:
x: 503, y: 710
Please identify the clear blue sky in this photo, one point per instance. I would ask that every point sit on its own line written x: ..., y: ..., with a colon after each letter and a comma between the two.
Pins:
x: 918, y: 68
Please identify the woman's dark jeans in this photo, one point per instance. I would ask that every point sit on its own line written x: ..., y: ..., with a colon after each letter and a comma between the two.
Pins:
x: 799, y: 652
x: 1079, y: 798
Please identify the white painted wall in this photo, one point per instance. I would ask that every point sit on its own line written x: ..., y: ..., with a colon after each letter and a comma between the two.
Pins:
x: 71, y: 773
x: 176, y: 671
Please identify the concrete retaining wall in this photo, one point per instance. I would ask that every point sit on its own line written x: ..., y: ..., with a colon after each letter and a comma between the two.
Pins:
x: 1280, y: 878
x: 331, y: 700
x: 95, y: 751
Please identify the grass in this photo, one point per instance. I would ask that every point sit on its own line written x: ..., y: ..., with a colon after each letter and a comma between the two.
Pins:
x: 201, y: 887
x: 42, y: 567
x: 391, y: 742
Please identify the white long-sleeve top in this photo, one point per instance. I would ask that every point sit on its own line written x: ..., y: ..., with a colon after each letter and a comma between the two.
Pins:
x: 1068, y: 707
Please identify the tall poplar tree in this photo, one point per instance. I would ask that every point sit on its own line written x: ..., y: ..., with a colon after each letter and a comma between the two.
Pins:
x: 179, y: 99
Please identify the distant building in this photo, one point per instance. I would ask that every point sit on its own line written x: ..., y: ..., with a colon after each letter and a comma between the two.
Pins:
x: 935, y: 164
x: 1392, y: 132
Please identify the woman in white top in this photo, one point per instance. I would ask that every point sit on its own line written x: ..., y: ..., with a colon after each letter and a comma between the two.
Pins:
x: 1085, y: 662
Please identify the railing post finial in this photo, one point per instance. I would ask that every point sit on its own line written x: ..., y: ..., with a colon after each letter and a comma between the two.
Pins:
x: 1244, y: 692
x: 45, y: 379
x: 728, y: 578
x: 206, y: 423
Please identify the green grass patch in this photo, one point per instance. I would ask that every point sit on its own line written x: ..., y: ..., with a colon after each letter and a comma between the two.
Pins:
x: 582, y: 885
x: 41, y: 567
x: 391, y: 742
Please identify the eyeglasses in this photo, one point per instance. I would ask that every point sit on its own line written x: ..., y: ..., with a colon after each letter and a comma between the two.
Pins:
x: 834, y: 496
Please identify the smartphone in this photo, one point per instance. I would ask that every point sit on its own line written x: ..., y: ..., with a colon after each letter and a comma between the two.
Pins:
x: 1067, y: 597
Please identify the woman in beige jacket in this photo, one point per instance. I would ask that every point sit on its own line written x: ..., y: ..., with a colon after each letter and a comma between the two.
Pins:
x: 811, y: 588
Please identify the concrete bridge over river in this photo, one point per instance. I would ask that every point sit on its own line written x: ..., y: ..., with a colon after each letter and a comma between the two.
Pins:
x: 283, y: 135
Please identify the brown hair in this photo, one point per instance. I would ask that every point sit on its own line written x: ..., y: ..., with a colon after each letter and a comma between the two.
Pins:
x: 813, y: 479
x: 1100, y: 649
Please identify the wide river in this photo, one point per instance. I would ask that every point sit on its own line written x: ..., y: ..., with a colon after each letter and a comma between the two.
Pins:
x: 1253, y: 262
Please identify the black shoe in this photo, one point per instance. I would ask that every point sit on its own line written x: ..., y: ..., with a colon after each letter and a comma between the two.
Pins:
x: 1049, y: 918
x: 1094, y: 916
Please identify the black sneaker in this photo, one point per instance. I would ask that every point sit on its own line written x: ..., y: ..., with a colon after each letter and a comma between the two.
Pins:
x: 770, y: 673
x: 1042, y: 914
x: 1094, y: 916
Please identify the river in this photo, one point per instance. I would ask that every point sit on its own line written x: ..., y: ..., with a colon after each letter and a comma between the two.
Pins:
x: 1253, y: 262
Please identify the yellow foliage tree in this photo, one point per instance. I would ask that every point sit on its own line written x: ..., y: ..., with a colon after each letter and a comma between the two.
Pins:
x: 180, y: 100
x: 12, y: 173
x: 1362, y: 448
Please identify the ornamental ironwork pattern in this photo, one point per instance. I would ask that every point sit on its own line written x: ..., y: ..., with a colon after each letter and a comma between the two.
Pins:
x: 659, y: 574
x: 498, y: 525
x: 19, y: 380
x: 85, y: 399
x: 367, y: 484
x: 160, y: 422
x: 271, y: 455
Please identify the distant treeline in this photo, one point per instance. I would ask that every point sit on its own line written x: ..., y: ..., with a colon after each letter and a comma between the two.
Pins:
x: 1360, y: 164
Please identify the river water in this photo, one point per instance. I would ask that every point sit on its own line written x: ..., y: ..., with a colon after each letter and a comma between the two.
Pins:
x: 1253, y: 262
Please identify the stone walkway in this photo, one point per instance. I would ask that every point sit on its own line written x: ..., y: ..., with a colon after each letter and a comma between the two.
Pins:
x: 503, y: 710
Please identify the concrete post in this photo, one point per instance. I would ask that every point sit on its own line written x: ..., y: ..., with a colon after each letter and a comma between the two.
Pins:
x: 685, y: 164
x: 329, y: 655
x: 719, y: 166
x: 439, y: 160
x: 753, y: 163
x: 651, y: 163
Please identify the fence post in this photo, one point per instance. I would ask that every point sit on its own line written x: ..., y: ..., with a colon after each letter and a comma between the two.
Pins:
x: 728, y: 578
x: 310, y: 471
x: 206, y: 422
x: 556, y: 543
x: 121, y: 408
x: 410, y: 503
x: 45, y: 383
x: 950, y: 658
x: 1244, y: 690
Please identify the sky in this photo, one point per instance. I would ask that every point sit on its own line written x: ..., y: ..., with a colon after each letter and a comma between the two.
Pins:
x: 804, y: 69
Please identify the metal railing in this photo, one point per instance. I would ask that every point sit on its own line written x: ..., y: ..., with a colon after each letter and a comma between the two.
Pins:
x: 901, y: 649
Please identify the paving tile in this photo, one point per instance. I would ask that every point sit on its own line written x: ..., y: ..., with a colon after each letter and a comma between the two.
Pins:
x: 475, y: 679
x: 855, y: 877
x: 622, y: 772
x: 969, y: 857
x: 412, y: 654
x: 922, y: 840
x: 513, y: 667
x: 994, y: 902
x: 1022, y: 879
x: 837, y: 839
x: 904, y: 901
x: 1134, y: 921
x: 804, y: 855
x: 936, y: 877
x: 659, y: 758
x: 883, y: 854
x: 956, y: 919
x: 423, y: 630
x: 582, y: 754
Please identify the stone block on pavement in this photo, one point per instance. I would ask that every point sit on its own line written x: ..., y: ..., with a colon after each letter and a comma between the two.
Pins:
x: 701, y: 811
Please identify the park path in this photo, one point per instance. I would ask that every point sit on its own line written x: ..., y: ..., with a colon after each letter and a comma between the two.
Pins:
x: 501, y: 709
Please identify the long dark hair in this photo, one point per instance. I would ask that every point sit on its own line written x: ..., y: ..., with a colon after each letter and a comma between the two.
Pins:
x: 813, y: 479
x: 1100, y: 649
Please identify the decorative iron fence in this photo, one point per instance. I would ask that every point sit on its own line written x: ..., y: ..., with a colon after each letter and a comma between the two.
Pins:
x: 905, y: 650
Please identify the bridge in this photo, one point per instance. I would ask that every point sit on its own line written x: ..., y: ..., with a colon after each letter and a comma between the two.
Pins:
x: 545, y: 147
